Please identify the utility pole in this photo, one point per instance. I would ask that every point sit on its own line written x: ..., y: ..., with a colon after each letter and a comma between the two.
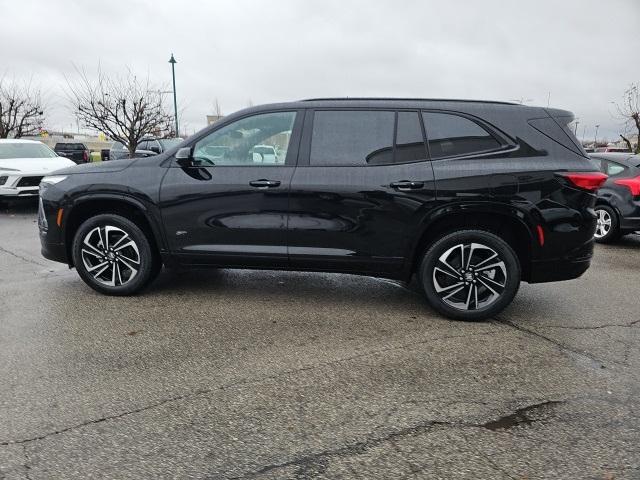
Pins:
x: 595, y: 137
x: 173, y: 62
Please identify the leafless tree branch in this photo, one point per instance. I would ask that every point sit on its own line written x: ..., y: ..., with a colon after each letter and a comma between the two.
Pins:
x: 124, y: 108
x: 629, y: 112
x: 21, y: 111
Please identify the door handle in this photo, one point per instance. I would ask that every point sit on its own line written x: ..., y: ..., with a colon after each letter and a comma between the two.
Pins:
x: 407, y: 185
x: 264, y: 183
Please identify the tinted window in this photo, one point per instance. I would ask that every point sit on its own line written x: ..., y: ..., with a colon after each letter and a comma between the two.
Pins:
x: 450, y: 135
x: 409, y: 141
x: 235, y: 144
x: 352, y: 137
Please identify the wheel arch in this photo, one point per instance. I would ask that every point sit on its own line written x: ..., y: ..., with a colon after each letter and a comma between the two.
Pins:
x: 130, y: 208
x: 507, y: 222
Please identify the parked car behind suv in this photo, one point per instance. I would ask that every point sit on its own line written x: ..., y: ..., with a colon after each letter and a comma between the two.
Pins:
x: 23, y: 163
x: 470, y: 196
x: 147, y: 147
x: 618, y: 204
x: 78, y: 152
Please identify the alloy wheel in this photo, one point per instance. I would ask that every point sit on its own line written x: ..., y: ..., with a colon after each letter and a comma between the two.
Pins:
x: 110, y: 255
x: 469, y: 276
x: 603, y: 226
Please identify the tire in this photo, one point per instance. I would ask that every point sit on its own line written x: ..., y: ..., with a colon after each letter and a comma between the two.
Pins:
x: 608, y: 227
x: 462, y: 292
x: 123, y: 265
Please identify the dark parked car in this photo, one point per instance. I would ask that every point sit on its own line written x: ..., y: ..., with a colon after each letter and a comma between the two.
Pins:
x: 147, y: 147
x: 78, y: 152
x: 618, y: 203
x: 470, y: 196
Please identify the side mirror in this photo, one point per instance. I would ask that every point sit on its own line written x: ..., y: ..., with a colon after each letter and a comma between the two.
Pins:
x: 184, y: 157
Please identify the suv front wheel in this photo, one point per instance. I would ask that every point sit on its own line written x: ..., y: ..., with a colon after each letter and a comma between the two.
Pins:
x: 113, y: 255
x: 470, y: 275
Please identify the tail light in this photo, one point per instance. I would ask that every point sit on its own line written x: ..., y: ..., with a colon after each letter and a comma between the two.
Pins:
x: 632, y: 184
x: 85, y: 156
x: 590, y: 181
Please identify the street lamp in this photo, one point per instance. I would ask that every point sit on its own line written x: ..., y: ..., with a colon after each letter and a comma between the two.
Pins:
x: 575, y: 130
x: 173, y: 62
x: 595, y: 137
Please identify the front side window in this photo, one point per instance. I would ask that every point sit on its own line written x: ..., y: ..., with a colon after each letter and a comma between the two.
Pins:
x: 357, y: 137
x: 252, y: 141
x: 450, y: 135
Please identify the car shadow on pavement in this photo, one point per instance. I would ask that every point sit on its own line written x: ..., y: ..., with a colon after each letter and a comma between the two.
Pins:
x: 285, y: 286
x: 20, y: 206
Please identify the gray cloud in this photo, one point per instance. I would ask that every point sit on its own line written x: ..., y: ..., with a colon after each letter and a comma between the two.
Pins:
x: 582, y: 52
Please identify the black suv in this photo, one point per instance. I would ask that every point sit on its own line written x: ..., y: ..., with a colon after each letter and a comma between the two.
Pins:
x: 471, y: 196
x: 78, y: 152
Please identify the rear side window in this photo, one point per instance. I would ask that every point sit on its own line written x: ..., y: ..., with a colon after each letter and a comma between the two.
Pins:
x: 352, y: 137
x: 613, y: 168
x: 450, y: 135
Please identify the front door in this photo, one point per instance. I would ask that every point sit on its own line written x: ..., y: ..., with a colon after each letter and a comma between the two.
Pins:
x: 229, y: 205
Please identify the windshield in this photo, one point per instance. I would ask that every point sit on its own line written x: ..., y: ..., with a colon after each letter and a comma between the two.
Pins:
x: 168, y: 143
x: 25, y: 150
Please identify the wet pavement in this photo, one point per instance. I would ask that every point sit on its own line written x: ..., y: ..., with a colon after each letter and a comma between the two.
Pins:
x: 256, y: 374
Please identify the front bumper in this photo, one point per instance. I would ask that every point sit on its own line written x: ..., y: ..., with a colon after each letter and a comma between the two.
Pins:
x: 21, y: 185
x: 15, y: 192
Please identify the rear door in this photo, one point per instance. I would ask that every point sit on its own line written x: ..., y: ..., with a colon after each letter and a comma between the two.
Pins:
x: 228, y: 207
x: 362, y: 180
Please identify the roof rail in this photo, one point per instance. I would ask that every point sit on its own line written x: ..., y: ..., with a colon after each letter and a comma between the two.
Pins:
x: 407, y: 99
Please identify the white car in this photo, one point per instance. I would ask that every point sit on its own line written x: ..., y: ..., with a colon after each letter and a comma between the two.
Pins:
x: 23, y: 163
x: 264, y: 154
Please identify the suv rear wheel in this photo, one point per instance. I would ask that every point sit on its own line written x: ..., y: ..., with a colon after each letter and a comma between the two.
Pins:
x: 470, y: 275
x: 113, y: 255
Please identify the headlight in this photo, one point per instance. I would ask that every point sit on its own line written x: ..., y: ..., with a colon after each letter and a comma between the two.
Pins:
x: 53, y: 179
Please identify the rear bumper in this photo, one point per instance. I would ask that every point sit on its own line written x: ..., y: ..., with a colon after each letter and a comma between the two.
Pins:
x: 567, y: 267
x: 558, y: 270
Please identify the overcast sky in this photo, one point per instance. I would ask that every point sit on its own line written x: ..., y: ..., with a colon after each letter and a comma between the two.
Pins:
x: 584, y: 52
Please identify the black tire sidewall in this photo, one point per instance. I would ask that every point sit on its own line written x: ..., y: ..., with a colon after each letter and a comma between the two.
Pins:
x: 505, y: 252
x: 614, y: 233
x: 147, y: 261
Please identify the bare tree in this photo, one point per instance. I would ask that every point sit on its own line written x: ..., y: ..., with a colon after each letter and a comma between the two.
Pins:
x: 123, y: 108
x: 629, y: 111
x: 217, y: 110
x: 21, y: 111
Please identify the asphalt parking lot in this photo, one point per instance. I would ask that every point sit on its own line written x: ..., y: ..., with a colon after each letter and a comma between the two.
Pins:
x: 255, y: 374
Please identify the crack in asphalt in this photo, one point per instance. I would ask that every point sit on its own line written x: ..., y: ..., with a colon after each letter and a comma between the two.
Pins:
x: 247, y: 381
x: 27, y: 467
x: 597, y: 327
x: 317, y: 461
x: 4, y: 250
x: 562, y: 346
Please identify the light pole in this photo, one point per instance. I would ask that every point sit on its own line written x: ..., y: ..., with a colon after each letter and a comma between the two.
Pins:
x: 595, y: 137
x: 173, y: 62
x: 575, y: 130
